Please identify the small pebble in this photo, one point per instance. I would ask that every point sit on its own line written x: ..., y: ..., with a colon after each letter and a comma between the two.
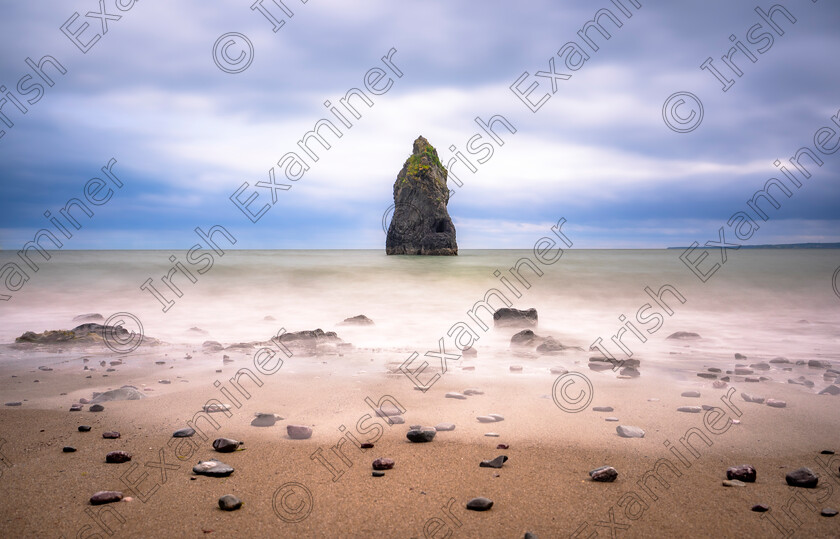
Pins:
x: 445, y: 426
x: 69, y: 449
x: 629, y: 432
x: 183, y: 433
x: 690, y: 394
x: 106, y: 496
x: 744, y: 472
x: 84, y: 428
x: 602, y: 409
x: 453, y: 395
x: 96, y: 408
x: 383, y: 463
x: 760, y: 508
x: 610, y: 419
x: 366, y: 445
x: 733, y: 483
x: 419, y: 436
x: 229, y: 502
x: 690, y: 409
x: 117, y: 457
x: 828, y: 512
x: 802, y: 477
x: 473, y: 391
x: 495, y: 463
x: 604, y: 474
x: 492, y: 434
x: 111, y: 435
x: 826, y: 452
x: 299, y: 432
x: 479, y: 504
x: 378, y: 473
x: 503, y: 446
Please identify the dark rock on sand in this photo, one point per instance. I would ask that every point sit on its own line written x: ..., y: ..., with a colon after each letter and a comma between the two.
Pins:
x: 830, y: 390
x: 117, y: 457
x: 421, y: 224
x: 780, y: 360
x: 299, y: 432
x: 68, y: 449
x: 744, y: 472
x: 529, y: 535
x: 760, y: 366
x: 106, y: 496
x: 506, y: 317
x: 626, y: 431
x: 694, y: 394
x: 421, y: 435
x: 690, y: 409
x: 503, y: 446
x: 366, y: 445
x: 111, y: 435
x: 383, y: 463
x: 229, y: 502
x: 602, y: 409
x: 740, y: 356
x: 96, y: 408
x: 683, y: 336
x: 226, y: 445
x: 818, y: 364
x: 84, y: 428
x: 479, y: 504
x: 377, y: 473
x: 495, y: 463
x: 360, y: 320
x: 212, y: 468
x: 826, y: 452
x: 828, y: 512
x: 604, y: 474
x: 14, y: 403
x: 760, y: 508
x: 708, y: 375
x: 183, y: 433
x: 802, y: 477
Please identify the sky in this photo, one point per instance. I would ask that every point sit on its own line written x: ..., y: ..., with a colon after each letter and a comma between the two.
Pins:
x: 598, y: 152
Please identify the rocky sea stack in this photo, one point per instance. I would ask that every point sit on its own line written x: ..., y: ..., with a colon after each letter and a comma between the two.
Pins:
x: 420, y: 224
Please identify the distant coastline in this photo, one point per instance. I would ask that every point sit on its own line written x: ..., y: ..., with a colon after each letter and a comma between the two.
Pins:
x: 779, y: 246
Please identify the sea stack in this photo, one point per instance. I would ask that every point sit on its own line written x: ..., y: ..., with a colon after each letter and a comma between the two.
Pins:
x: 421, y: 224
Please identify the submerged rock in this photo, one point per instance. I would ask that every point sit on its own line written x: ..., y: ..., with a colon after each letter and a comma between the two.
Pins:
x: 421, y: 224
x: 683, y: 336
x: 360, y: 320
x: 515, y: 317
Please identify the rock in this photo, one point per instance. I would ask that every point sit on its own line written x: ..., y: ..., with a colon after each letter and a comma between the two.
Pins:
x: 492, y: 434
x: 183, y: 433
x: 366, y: 445
x: 529, y: 535
x: 473, y: 391
x: 752, y: 398
x: 445, y: 427
x: 226, y: 445
x: 743, y: 371
x: 629, y: 432
x: 89, y: 317
x: 830, y: 390
x: 600, y: 366
x: 360, y: 320
x: 828, y: 512
x: 299, y: 432
x: 740, y: 356
x: 718, y: 384
x: 125, y: 393
x: 111, y: 435
x: 215, y: 408
x: 550, y: 345
x: 84, y: 401
x: 420, y: 436
x: 96, y: 408
x: 709, y: 375
x: 117, y: 457
x: 310, y: 338
x: 503, y: 446
x: 383, y: 463
x: 733, y: 483
x: 683, y: 336
x: 631, y: 372
x: 760, y: 366
x: 212, y: 468
x: 106, y: 496
x: 264, y: 420
x: 507, y: 317
x: 690, y: 409
x: 228, y: 502
x: 775, y: 403
x: 760, y: 508
x: 395, y: 420
x: 84, y: 428
x: 453, y: 395
x: 826, y: 452
x: 68, y: 449
x: 602, y: 409
x: 388, y: 409
x: 495, y: 463
x: 76, y: 407
x: 479, y: 504
x: 525, y: 338
x: 165, y: 382
x: 744, y: 472
x: 377, y: 473
x: 780, y: 360
x: 516, y: 368
x: 558, y: 370
x: 497, y: 417
x: 610, y: 419
x: 421, y: 224
x: 695, y: 394
x: 707, y: 407
x: 604, y: 474
x: 802, y: 477
x: 89, y: 333
x: 486, y: 419
x: 817, y: 364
